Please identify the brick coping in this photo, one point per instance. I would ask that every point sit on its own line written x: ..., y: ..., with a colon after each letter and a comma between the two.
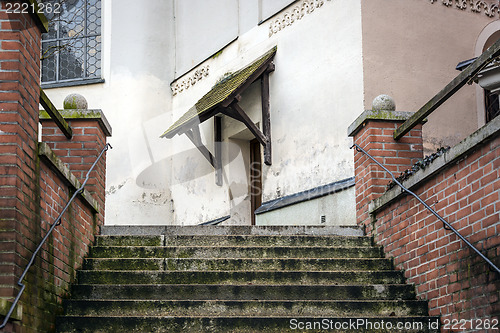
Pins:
x: 377, y: 115
x: 467, y: 145
x: 72, y: 115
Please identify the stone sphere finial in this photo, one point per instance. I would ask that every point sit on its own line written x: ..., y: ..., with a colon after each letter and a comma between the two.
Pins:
x: 75, y: 101
x: 383, y: 103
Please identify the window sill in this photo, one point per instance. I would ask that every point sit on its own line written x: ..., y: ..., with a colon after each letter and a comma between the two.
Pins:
x: 81, y: 82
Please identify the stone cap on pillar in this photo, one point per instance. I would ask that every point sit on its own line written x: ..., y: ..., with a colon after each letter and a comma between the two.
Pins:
x: 82, y: 114
x: 380, y: 115
x: 383, y: 109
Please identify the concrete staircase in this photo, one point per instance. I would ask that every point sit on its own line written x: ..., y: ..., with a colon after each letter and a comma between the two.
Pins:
x: 240, y: 279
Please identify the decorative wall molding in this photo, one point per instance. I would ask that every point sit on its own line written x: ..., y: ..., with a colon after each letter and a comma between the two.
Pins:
x: 296, y: 13
x: 490, y: 9
x: 185, y: 84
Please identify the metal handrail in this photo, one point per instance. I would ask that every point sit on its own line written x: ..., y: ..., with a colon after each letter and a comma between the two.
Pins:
x: 449, y: 226
x: 56, y: 223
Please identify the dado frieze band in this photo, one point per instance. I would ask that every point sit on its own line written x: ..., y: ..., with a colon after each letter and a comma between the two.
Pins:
x: 296, y: 13
x: 490, y: 9
x: 199, y: 74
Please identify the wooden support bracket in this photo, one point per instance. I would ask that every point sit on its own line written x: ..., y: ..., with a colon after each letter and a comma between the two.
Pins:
x: 249, y: 123
x: 216, y: 161
x: 193, y: 135
x: 236, y: 112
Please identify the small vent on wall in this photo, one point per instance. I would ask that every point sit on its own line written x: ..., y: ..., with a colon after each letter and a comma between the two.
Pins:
x: 323, y: 219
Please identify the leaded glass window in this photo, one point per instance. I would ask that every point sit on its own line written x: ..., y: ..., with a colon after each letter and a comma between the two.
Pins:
x: 492, y: 105
x: 71, y: 50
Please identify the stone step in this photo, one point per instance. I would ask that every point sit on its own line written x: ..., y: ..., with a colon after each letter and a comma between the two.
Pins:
x: 244, y: 292
x: 249, y: 277
x: 234, y: 252
x: 240, y: 279
x: 247, y: 264
x: 232, y: 230
x: 236, y: 240
x: 329, y: 308
x: 417, y: 324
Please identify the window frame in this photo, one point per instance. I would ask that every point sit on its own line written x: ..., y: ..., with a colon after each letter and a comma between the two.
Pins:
x: 85, y: 80
x: 491, y: 105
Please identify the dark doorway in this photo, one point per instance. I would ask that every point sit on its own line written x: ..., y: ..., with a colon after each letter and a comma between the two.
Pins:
x: 255, y: 177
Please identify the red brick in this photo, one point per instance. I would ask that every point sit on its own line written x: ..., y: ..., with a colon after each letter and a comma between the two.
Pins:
x: 489, y: 221
x: 11, y: 45
x: 11, y: 25
x: 478, y: 174
x: 496, y: 163
x: 490, y: 199
x: 68, y: 145
x: 489, y: 178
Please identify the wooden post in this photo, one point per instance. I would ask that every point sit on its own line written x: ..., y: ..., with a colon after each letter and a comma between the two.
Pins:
x: 55, y: 115
x: 218, y: 150
x: 266, y: 117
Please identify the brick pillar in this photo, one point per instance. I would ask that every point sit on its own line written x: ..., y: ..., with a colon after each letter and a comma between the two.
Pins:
x: 90, y: 129
x: 373, y: 131
x: 20, y: 48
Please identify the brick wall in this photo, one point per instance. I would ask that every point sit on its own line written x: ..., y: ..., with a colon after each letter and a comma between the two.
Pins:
x: 64, y: 250
x: 19, y: 81
x: 90, y: 129
x: 34, y: 190
x: 69, y: 243
x: 463, y: 186
x: 374, y: 133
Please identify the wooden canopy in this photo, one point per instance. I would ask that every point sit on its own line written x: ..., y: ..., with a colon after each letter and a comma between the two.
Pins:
x: 223, y: 99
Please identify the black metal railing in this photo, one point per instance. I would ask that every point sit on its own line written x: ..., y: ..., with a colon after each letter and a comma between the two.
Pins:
x: 447, y: 225
x: 52, y: 227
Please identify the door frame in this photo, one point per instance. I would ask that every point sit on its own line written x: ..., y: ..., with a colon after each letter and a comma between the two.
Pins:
x: 255, y: 177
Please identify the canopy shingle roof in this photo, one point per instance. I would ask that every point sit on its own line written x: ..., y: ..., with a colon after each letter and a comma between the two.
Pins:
x: 224, y: 90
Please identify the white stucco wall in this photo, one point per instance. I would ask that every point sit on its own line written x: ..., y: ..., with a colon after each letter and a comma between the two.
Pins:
x: 414, y: 61
x: 201, y: 28
x: 138, y: 63
x: 316, y: 91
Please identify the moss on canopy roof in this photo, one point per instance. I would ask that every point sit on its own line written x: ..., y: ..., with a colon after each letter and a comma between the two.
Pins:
x: 219, y: 93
